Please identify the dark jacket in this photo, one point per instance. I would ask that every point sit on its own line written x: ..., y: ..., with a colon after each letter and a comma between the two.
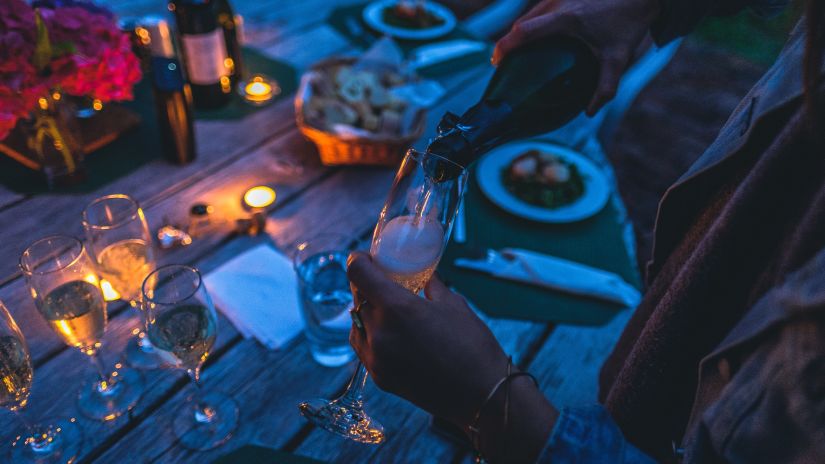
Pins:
x: 725, y: 356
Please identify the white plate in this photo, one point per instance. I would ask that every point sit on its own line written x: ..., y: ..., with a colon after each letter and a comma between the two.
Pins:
x: 596, y: 187
x: 373, y: 16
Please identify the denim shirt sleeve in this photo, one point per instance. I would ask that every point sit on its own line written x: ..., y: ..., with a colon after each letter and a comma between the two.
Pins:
x: 588, y: 434
x: 680, y: 17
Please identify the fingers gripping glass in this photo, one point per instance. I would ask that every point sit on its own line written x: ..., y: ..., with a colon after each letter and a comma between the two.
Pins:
x: 408, y: 241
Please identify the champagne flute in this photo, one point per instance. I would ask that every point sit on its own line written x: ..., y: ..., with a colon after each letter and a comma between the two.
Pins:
x: 407, y: 243
x: 66, y: 291
x: 57, y: 442
x: 182, y: 324
x: 120, y: 243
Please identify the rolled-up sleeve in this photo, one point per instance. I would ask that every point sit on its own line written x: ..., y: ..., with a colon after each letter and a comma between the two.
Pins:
x: 680, y: 17
x: 589, y: 434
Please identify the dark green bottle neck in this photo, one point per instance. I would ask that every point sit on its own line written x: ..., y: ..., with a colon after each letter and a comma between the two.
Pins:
x: 537, y: 89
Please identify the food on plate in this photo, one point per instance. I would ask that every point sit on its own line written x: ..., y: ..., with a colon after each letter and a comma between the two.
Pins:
x: 543, y: 179
x: 408, y: 14
x: 356, y: 99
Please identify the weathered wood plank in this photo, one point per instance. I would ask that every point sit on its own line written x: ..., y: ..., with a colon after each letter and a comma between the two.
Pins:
x: 293, y: 48
x: 579, y: 350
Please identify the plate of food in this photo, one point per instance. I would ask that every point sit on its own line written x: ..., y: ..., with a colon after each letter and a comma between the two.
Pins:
x: 543, y: 182
x: 409, y: 19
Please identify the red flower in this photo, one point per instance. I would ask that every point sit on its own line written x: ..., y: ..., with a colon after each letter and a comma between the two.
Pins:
x: 89, y: 56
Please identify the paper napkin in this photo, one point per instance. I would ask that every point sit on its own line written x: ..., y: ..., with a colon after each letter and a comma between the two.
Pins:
x: 555, y: 273
x: 257, y: 292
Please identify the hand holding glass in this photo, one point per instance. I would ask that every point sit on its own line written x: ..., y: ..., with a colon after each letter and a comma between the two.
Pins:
x: 407, y: 243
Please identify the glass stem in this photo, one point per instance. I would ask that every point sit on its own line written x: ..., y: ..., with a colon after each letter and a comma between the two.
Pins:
x: 353, y: 396
x: 204, y: 413
x: 104, y: 386
x: 26, y: 424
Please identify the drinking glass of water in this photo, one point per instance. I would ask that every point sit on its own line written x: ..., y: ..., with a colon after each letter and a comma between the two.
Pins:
x: 321, y: 266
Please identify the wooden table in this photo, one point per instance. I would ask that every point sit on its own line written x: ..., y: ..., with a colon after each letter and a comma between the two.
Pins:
x: 265, y: 148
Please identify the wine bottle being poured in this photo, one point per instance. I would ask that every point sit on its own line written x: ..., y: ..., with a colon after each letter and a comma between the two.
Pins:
x: 536, y: 89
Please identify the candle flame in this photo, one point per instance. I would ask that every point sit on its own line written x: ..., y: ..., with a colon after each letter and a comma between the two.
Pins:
x: 109, y: 292
x: 259, y: 197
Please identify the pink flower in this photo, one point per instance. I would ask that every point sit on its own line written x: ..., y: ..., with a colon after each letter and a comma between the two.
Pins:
x: 90, y: 56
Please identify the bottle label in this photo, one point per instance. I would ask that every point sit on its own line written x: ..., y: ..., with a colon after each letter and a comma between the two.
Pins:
x: 205, y: 57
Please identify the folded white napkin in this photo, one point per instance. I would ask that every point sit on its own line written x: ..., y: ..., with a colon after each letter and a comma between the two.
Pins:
x: 555, y: 273
x: 257, y: 292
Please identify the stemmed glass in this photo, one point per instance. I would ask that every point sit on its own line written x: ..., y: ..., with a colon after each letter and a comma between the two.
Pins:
x: 66, y: 291
x: 407, y: 243
x: 120, y: 243
x: 182, y: 324
x: 57, y: 442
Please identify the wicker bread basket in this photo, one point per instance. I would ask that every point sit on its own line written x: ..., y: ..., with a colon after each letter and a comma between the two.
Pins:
x: 335, y: 149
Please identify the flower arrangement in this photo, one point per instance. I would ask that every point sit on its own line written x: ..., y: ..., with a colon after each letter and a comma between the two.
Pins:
x: 67, y: 46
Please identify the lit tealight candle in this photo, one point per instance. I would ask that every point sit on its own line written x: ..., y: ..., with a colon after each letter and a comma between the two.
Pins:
x: 259, y: 197
x: 259, y: 90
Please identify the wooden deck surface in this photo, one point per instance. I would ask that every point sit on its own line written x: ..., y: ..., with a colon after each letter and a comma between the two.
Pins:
x: 266, y: 148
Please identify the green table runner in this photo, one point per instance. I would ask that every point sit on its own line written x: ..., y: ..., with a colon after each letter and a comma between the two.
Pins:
x: 142, y: 144
x: 256, y: 63
x: 597, y: 241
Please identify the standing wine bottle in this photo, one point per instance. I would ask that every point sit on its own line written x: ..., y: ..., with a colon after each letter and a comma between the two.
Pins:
x: 173, y: 96
x: 536, y: 88
x: 204, y: 52
x: 229, y: 22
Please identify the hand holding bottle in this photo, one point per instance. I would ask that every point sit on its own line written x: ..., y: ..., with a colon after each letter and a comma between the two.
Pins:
x: 614, y: 29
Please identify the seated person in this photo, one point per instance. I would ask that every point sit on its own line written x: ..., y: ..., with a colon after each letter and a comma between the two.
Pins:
x: 724, y: 359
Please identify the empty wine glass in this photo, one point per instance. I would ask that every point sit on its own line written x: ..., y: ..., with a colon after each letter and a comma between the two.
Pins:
x: 182, y: 324
x: 120, y: 243
x: 57, y: 442
x: 66, y: 291
x: 407, y: 243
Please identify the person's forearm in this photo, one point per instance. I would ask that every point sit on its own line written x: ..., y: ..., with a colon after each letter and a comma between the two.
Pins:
x: 530, y: 420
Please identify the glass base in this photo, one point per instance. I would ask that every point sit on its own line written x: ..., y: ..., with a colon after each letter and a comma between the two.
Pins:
x: 116, y: 400
x: 140, y: 354
x: 346, y: 421
x: 209, y: 426
x: 64, y: 439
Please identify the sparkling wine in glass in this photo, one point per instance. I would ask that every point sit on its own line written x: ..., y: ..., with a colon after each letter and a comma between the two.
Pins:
x: 120, y: 243
x: 408, y: 241
x: 57, y: 442
x: 66, y: 290
x: 182, y: 324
